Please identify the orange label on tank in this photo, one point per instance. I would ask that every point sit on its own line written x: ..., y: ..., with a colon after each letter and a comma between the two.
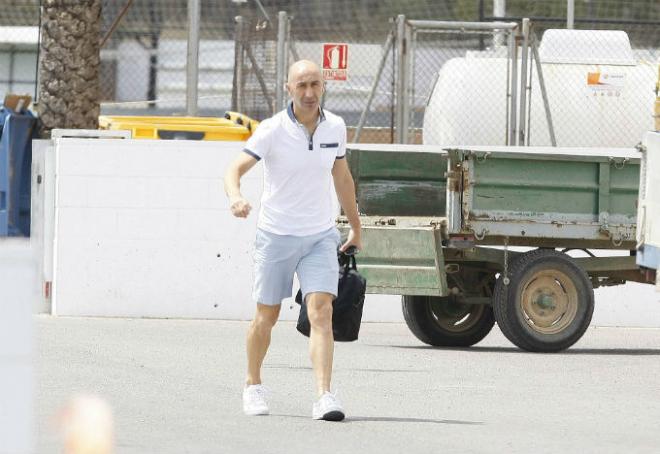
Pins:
x: 593, y: 78
x: 605, y: 83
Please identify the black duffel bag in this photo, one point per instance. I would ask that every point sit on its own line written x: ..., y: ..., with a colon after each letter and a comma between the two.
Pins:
x: 347, y: 307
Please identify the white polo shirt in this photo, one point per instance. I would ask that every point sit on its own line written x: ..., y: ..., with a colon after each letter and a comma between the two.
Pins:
x: 298, y: 188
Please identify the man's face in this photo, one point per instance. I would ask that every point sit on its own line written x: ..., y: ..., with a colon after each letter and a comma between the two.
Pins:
x: 305, y: 89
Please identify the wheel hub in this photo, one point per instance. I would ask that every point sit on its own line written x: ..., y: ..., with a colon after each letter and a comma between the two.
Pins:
x: 545, y: 300
x: 549, y: 301
x: 453, y: 316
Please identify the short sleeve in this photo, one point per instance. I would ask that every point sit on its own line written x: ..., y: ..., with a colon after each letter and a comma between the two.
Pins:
x: 259, y: 144
x: 341, y: 149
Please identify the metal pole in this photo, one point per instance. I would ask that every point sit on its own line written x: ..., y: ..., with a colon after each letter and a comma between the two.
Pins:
x: 192, y: 62
x: 374, y: 87
x: 290, y: 43
x: 544, y: 93
x: 480, y: 18
x: 413, y: 48
x: 507, y: 134
x: 570, y: 13
x: 401, y: 126
x: 530, y: 85
x: 409, y: 81
x: 154, y: 40
x: 393, y: 91
x: 237, y: 88
x: 499, y: 10
x: 113, y: 27
x: 451, y: 25
x: 294, y: 52
x: 523, y: 82
x: 263, y: 10
x: 287, y: 56
x: 281, y: 57
x: 513, y: 52
x: 260, y: 77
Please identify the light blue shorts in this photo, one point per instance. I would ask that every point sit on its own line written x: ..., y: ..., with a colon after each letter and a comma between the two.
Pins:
x: 277, y: 257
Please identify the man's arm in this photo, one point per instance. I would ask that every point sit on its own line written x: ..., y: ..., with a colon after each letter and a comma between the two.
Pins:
x: 345, y: 187
x: 240, y: 207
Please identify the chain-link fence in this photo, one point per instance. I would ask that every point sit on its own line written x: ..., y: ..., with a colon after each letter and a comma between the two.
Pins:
x: 348, y: 97
x: 600, y: 91
x: 461, y: 84
x: 255, y: 72
x: 599, y: 82
x: 145, y: 57
x: 143, y: 68
x: 580, y: 88
x: 19, y: 42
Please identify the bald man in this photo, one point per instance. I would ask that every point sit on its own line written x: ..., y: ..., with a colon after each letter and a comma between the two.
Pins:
x: 303, y: 149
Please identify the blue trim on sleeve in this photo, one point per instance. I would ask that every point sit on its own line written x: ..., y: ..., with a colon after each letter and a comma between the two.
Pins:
x: 341, y: 157
x: 252, y: 153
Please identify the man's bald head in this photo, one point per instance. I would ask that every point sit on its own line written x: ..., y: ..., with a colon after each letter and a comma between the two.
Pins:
x: 305, y: 86
x: 303, y: 68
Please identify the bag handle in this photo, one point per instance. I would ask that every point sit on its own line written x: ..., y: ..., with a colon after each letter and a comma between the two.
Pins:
x: 347, y: 257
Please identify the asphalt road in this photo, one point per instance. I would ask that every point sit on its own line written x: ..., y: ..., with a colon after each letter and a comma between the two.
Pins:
x: 175, y: 387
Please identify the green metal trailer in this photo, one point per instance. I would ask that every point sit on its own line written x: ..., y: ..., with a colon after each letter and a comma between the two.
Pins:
x: 444, y: 228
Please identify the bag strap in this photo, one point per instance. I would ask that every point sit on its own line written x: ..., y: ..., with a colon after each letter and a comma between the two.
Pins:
x: 350, y: 264
x: 348, y: 259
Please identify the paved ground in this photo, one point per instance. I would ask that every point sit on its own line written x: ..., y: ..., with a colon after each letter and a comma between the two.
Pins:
x: 175, y: 388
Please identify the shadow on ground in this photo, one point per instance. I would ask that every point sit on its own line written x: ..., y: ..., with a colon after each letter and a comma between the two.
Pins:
x: 570, y: 351
x: 392, y: 419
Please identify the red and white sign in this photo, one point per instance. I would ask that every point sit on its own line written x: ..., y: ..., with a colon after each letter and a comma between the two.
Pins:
x: 335, y: 61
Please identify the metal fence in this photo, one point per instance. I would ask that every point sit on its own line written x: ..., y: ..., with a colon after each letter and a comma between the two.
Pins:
x: 599, y: 90
x: 256, y: 73
x: 578, y: 88
x: 365, y: 57
x: 440, y: 92
x: 144, y: 63
x: 19, y: 41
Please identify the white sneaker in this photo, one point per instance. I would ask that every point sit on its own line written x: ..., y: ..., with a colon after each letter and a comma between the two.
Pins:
x: 254, y: 400
x: 328, y: 408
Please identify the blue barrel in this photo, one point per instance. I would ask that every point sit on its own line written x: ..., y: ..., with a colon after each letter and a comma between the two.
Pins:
x: 15, y: 171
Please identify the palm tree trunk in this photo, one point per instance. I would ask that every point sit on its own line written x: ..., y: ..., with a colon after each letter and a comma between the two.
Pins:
x: 69, y: 64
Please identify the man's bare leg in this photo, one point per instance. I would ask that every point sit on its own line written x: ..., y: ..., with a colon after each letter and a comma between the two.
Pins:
x: 321, y: 341
x: 258, y: 340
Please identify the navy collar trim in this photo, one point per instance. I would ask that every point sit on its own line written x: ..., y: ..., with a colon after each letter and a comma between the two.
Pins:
x: 289, y: 111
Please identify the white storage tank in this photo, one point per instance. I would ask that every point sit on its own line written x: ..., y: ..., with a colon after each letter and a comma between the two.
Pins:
x: 599, y: 94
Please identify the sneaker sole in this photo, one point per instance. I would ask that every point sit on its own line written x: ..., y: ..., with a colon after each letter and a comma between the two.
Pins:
x: 332, y: 416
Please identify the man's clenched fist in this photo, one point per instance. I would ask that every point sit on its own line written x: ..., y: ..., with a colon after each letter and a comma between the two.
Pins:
x: 240, y: 207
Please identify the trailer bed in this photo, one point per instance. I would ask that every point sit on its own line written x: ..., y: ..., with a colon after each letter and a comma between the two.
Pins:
x: 526, y: 196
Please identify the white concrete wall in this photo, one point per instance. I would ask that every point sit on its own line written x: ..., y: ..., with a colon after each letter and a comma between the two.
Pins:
x: 17, y: 299
x: 143, y: 229
x: 42, y: 218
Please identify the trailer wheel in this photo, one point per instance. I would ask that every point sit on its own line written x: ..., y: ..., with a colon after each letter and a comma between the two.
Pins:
x: 440, y: 322
x: 548, y: 303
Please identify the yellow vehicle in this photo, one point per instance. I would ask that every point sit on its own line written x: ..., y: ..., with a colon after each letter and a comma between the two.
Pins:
x: 241, y: 119
x: 178, y: 128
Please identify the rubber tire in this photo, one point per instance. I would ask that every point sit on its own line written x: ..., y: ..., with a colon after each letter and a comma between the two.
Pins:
x: 418, y: 317
x: 509, y: 315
